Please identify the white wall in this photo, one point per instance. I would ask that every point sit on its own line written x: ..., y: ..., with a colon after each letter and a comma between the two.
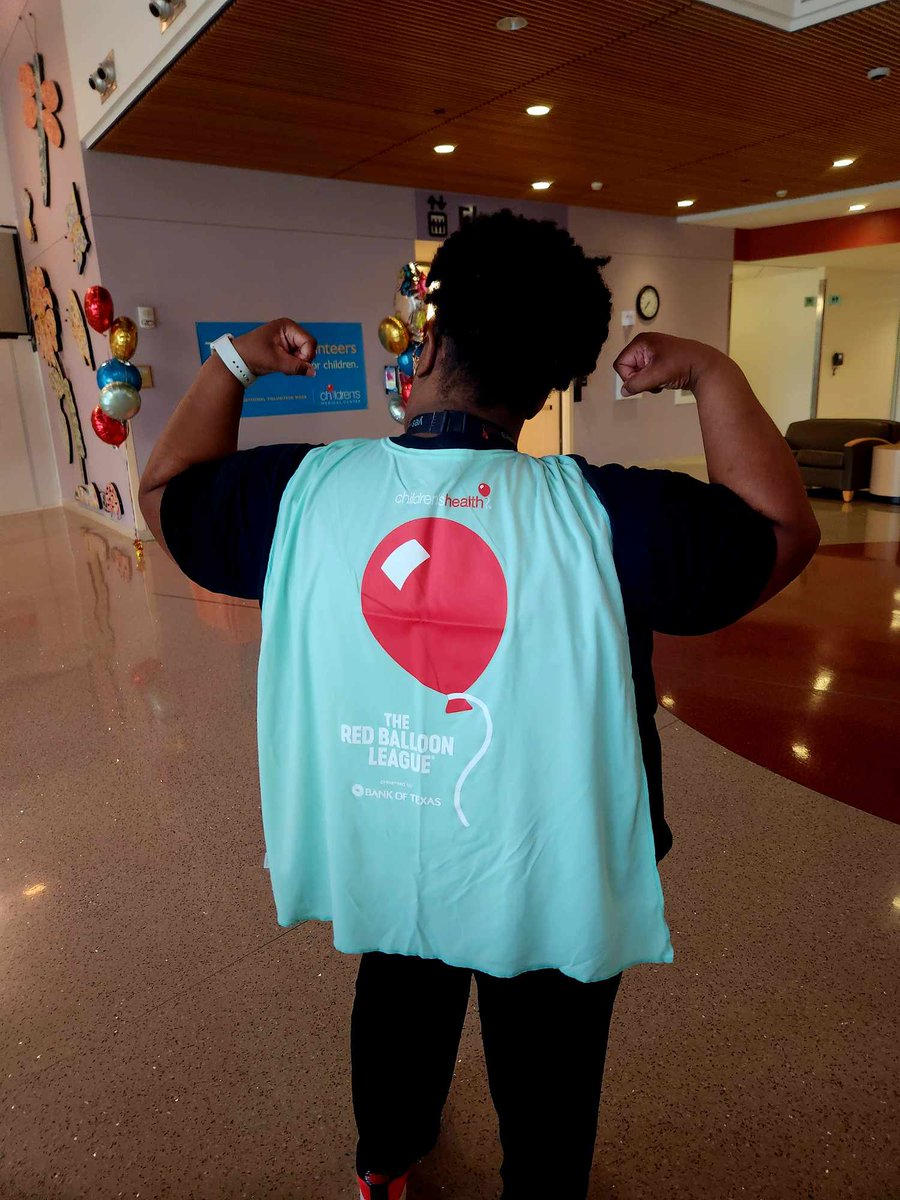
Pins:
x: 94, y: 27
x: 28, y: 477
x: 690, y: 267
x: 863, y: 327
x: 52, y: 251
x: 773, y: 336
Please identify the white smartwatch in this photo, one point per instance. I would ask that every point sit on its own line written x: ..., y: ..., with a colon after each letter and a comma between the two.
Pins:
x: 224, y: 348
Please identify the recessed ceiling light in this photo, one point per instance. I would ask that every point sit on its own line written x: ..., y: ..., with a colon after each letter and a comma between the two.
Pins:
x: 857, y: 207
x: 444, y: 148
x: 542, y: 185
x: 596, y: 186
x: 781, y: 193
x: 538, y: 110
x: 843, y: 162
x: 686, y: 203
x: 511, y: 24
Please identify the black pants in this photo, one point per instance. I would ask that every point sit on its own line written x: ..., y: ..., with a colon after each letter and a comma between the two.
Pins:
x: 544, y: 1040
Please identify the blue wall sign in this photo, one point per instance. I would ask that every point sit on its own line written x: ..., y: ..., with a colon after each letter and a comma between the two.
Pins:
x: 338, y: 384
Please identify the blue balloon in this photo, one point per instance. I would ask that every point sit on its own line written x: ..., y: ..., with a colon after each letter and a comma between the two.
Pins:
x: 116, y: 371
x: 407, y: 362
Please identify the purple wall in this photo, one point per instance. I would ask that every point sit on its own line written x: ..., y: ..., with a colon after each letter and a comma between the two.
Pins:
x: 203, y: 243
x: 690, y: 267
x: 213, y: 243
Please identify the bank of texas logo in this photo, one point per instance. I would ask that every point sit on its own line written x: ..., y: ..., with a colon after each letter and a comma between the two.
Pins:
x: 434, y: 597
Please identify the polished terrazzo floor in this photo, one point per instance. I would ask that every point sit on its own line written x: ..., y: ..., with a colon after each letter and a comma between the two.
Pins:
x: 809, y: 685
x: 161, y: 1037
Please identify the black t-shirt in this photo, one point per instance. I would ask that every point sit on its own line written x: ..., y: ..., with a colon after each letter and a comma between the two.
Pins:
x: 691, y: 557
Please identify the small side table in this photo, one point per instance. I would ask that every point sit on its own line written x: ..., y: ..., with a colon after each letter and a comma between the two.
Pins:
x: 885, y: 481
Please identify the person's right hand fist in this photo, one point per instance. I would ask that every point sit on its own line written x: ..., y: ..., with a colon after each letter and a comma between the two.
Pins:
x: 653, y: 361
x: 281, y: 345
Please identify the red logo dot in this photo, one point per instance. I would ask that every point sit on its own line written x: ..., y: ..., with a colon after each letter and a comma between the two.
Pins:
x: 484, y: 489
x: 330, y: 387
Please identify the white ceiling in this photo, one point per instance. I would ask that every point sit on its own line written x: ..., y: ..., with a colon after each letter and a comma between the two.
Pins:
x: 804, y: 208
x: 791, y: 14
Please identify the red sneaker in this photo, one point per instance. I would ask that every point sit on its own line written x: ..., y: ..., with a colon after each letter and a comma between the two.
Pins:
x: 382, y: 1187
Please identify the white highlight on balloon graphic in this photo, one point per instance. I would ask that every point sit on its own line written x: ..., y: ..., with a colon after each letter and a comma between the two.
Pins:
x: 488, y: 736
x: 399, y: 565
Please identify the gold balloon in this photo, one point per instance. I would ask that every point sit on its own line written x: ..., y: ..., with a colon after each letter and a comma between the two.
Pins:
x: 393, y: 335
x: 123, y: 336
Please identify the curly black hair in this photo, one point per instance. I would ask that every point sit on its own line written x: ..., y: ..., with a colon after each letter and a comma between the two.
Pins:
x: 521, y: 310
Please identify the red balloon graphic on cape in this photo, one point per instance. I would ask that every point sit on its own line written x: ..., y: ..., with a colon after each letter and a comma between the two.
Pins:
x: 434, y: 597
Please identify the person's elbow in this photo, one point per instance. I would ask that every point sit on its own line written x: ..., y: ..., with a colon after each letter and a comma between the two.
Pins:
x: 150, y: 503
x: 795, y: 546
x: 804, y: 542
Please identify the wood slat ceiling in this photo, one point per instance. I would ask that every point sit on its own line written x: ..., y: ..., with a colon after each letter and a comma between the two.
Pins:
x: 659, y: 99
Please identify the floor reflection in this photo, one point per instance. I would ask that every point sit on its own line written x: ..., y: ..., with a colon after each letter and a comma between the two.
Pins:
x: 809, y: 685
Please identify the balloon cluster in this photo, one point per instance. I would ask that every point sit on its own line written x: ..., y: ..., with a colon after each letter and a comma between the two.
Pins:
x: 118, y: 378
x: 403, y: 333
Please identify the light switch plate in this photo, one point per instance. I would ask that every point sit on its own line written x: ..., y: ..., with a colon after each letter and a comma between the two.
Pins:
x: 629, y: 317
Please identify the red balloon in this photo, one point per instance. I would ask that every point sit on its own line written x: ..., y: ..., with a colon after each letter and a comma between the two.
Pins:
x: 98, y: 308
x: 108, y: 429
x: 434, y: 598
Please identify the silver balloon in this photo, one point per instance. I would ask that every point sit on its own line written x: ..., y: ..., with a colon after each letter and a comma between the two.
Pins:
x: 397, y: 411
x: 120, y: 400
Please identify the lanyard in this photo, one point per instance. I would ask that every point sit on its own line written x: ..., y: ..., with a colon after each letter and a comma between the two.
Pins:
x: 456, y: 422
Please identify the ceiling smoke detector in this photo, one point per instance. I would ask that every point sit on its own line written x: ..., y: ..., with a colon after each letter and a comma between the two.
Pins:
x: 878, y: 73
x: 596, y: 186
x: 511, y: 24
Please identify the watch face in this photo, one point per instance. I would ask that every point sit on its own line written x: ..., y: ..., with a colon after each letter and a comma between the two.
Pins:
x: 648, y: 302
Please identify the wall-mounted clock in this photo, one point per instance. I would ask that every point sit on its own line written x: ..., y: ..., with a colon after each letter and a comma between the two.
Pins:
x: 648, y: 302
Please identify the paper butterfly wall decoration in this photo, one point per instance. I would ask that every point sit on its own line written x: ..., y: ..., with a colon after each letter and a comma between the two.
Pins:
x: 77, y: 230
x: 27, y: 221
x: 41, y: 101
x: 79, y: 330
x: 45, y: 318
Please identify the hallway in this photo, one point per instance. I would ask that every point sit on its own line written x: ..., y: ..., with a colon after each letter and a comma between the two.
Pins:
x: 162, y: 1037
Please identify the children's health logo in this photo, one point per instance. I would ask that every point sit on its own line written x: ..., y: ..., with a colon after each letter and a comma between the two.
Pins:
x: 444, y: 500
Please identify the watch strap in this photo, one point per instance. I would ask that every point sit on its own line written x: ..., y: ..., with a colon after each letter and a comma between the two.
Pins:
x: 224, y: 348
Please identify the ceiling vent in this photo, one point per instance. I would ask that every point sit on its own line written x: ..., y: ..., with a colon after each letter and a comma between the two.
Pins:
x: 792, y: 14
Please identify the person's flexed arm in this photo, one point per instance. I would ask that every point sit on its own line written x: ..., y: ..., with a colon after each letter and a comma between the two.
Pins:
x: 744, y: 450
x: 204, y: 426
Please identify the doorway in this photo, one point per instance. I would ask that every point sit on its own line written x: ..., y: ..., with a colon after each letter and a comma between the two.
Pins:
x: 543, y: 434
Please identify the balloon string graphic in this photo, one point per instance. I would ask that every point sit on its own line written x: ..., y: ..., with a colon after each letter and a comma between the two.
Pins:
x: 489, y: 733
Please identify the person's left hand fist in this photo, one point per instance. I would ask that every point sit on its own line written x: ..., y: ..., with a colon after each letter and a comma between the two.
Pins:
x: 281, y: 345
